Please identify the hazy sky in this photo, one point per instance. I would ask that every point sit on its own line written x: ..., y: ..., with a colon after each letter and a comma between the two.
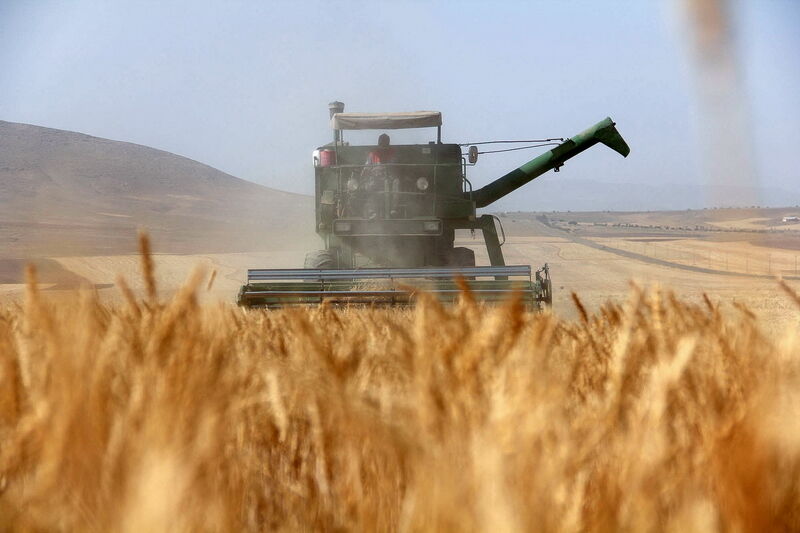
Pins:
x: 244, y: 86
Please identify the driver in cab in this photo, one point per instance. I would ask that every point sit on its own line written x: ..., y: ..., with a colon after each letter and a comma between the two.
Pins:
x: 377, y: 178
x: 383, y: 154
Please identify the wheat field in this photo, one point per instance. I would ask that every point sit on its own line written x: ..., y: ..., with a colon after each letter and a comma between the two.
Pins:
x: 174, y: 415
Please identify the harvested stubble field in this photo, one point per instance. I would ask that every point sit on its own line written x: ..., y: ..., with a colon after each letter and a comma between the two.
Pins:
x: 653, y: 415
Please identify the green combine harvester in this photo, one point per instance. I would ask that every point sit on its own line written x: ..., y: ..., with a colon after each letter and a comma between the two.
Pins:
x: 387, y: 216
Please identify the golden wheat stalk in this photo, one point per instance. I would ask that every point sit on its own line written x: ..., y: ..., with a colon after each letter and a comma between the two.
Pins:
x: 655, y: 415
x: 148, y: 267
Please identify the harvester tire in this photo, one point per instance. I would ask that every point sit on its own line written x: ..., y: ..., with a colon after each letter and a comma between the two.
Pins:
x: 462, y: 257
x: 320, y: 259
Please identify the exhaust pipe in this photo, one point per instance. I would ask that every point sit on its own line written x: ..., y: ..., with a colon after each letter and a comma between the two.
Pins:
x: 333, y: 108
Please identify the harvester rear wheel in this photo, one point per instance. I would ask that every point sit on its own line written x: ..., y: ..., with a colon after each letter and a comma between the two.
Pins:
x: 320, y: 259
x: 463, y: 257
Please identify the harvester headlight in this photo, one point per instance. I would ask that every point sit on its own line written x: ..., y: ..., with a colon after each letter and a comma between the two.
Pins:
x: 342, y: 227
x: 422, y: 184
x: 352, y: 185
x: 431, y: 226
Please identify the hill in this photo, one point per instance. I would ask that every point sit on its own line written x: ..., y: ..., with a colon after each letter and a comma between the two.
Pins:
x: 66, y: 193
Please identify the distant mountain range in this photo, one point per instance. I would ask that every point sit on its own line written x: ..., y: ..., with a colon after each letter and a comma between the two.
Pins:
x: 549, y: 193
x: 67, y: 193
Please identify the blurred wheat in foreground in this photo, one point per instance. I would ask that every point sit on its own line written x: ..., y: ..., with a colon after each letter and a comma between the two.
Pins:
x: 656, y: 415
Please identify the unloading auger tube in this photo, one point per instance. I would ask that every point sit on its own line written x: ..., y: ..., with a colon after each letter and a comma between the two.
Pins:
x: 602, y: 132
x: 388, y: 217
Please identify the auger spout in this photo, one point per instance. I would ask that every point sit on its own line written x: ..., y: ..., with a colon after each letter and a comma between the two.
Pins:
x: 602, y: 132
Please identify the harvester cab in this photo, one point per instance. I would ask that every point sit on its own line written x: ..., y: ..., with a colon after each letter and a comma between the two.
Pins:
x: 388, y: 214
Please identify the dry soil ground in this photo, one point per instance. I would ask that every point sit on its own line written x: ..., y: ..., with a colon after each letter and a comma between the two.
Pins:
x: 596, y: 254
x: 596, y: 262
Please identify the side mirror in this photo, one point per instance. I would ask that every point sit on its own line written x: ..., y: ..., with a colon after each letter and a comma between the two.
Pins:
x: 473, y: 155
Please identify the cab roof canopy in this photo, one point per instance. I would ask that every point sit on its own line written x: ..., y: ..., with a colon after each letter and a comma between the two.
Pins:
x: 386, y: 121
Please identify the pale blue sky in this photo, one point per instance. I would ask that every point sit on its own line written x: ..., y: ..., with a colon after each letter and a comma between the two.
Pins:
x: 244, y: 86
